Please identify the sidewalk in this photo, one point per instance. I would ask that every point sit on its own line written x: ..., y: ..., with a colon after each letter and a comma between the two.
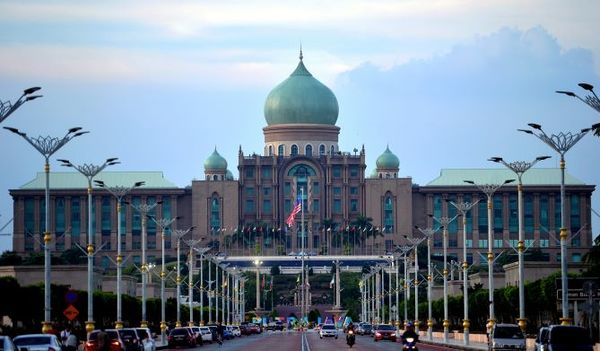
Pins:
x: 455, y: 340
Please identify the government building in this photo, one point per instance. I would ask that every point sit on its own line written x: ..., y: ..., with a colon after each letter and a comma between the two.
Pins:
x: 344, y: 210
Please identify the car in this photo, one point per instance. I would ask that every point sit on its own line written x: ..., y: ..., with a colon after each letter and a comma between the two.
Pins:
x: 227, y: 334
x: 197, y: 335
x: 213, y: 330
x: 148, y: 342
x: 385, y: 332
x: 568, y: 338
x: 116, y: 343
x: 181, y: 336
x: 506, y: 337
x: 235, y: 330
x: 275, y: 326
x: 541, y: 339
x: 364, y: 329
x: 250, y: 328
x: 6, y: 344
x: 327, y: 331
x: 131, y: 339
x: 206, y: 334
x: 38, y: 342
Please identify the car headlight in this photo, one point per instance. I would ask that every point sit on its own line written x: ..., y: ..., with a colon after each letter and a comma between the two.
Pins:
x: 410, y: 339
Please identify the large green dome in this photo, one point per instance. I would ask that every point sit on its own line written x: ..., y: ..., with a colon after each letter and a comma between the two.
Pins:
x: 215, y: 162
x: 301, y: 99
x: 387, y: 160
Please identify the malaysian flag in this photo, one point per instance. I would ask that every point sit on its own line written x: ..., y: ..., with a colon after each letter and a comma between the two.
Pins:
x: 297, y: 208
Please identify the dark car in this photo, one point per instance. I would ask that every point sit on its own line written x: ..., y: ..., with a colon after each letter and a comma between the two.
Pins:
x: 385, y: 332
x: 365, y: 329
x: 568, y: 338
x: 131, y: 339
x: 116, y: 343
x: 181, y: 337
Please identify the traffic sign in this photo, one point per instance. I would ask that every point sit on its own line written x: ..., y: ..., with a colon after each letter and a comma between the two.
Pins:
x: 577, y: 294
x: 71, y: 312
x: 71, y: 296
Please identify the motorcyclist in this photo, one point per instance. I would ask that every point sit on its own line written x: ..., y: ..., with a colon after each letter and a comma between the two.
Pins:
x: 350, y: 327
x: 410, y: 333
x: 350, y: 334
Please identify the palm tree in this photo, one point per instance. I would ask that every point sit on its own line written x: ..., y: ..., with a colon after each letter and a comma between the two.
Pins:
x: 365, y: 225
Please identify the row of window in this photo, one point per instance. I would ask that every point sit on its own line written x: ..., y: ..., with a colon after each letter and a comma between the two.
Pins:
x: 266, y: 171
x: 294, y: 150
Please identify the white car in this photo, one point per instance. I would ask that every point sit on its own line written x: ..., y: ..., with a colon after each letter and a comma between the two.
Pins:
x: 206, y: 334
x: 328, y: 330
x: 235, y: 330
x: 38, y: 342
x: 146, y: 338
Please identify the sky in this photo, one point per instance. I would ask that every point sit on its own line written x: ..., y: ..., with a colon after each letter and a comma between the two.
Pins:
x: 160, y: 84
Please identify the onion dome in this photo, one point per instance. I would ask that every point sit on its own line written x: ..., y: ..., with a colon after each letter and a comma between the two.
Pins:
x: 301, y: 99
x: 228, y: 175
x: 387, y: 160
x: 215, y: 162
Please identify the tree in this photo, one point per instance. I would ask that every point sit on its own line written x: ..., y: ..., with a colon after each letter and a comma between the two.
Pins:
x: 73, y: 256
x: 10, y: 258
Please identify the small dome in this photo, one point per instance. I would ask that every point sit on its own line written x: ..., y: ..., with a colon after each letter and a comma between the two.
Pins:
x: 301, y: 99
x: 228, y: 175
x: 387, y: 160
x: 215, y: 162
x: 374, y: 173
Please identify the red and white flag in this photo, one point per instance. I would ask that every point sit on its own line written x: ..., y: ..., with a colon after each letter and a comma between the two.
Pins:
x: 297, y: 208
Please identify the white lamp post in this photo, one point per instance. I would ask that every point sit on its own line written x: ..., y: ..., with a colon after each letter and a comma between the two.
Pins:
x: 119, y: 192
x: 428, y: 233
x: 47, y: 146
x: 179, y: 234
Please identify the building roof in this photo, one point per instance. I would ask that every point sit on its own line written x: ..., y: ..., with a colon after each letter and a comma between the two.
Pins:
x: 534, y: 176
x: 301, y: 98
x: 387, y: 160
x: 75, y: 180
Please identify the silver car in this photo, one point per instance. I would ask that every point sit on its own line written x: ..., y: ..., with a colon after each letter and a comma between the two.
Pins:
x: 148, y: 342
x: 328, y: 330
x: 38, y: 342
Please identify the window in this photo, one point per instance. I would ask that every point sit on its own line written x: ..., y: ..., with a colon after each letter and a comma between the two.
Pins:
x: 469, y: 243
x: 249, y: 206
x: 321, y: 149
x: 483, y: 218
x: 557, y: 219
x: 308, y: 150
x: 105, y: 215
x: 337, y: 190
x: 337, y: 171
x: 483, y: 243
x: 528, y: 213
x: 249, y: 172
x: 332, y: 150
x: 43, y: 215
x: 266, y: 191
x: 353, y: 190
x: 576, y: 257
x: 543, y: 211
x: 388, y: 213
x: 353, y: 171
x: 316, y: 189
x: 337, y: 206
x: 467, y: 198
x: 267, y: 208
x: 280, y: 150
x: 575, y: 214
x: 294, y: 150
x: 75, y: 219
x: 498, y: 220
x: 316, y: 205
x: 215, y: 213
x: 513, y: 214
x: 353, y: 205
x: 150, y: 224
x: 123, y: 217
x: 498, y: 243
x: 287, y: 188
x: 452, y: 226
x: 29, y: 222
x: 265, y: 172
x: 287, y: 206
x: 250, y: 192
x: 270, y: 150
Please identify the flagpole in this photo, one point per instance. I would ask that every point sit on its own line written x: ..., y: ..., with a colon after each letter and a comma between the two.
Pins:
x: 303, y: 295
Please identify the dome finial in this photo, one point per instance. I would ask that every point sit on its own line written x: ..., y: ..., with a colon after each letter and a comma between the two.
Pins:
x: 301, y: 56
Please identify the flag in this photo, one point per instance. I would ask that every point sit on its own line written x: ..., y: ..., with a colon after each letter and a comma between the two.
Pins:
x: 298, y: 279
x: 332, y: 282
x: 271, y: 284
x: 262, y: 284
x: 297, y: 208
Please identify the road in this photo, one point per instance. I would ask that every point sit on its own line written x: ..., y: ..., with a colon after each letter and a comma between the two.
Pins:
x: 292, y: 341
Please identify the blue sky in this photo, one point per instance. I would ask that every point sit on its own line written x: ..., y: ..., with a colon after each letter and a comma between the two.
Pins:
x: 160, y: 83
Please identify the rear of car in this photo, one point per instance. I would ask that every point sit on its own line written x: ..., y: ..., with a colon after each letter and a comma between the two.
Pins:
x: 235, y: 330
x: 385, y: 332
x: 206, y: 334
x: 148, y: 342
x: 116, y: 343
x: 506, y: 337
x: 327, y: 331
x: 568, y: 338
x: 131, y: 339
x: 38, y: 342
x: 181, y: 337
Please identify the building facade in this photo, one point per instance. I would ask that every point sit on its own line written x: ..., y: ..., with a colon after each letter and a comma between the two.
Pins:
x: 344, y: 211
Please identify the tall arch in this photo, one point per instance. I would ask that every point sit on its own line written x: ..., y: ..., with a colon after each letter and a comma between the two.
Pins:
x: 388, y: 212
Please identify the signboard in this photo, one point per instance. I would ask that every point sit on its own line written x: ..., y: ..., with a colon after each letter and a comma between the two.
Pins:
x: 71, y: 312
x: 577, y: 294
x: 580, y: 288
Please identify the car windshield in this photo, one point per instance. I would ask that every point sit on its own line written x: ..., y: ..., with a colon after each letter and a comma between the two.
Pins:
x: 33, y: 340
x: 142, y: 333
x: 385, y: 327
x: 510, y: 332
x: 127, y: 334
x: 329, y: 327
x: 570, y: 335
x: 179, y: 331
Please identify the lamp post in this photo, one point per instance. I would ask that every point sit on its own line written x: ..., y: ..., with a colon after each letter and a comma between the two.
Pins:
x: 192, y: 245
x: 6, y: 107
x: 179, y: 234
x: 223, y: 267
x: 489, y: 190
x: 144, y: 209
x: 444, y: 222
x: 163, y: 223
x: 415, y: 245
x: 428, y: 233
x: 89, y: 171
x: 257, y: 263
x: 47, y: 146
x: 119, y: 193
x: 519, y: 168
x: 202, y: 251
x: 463, y: 208
x: 561, y: 143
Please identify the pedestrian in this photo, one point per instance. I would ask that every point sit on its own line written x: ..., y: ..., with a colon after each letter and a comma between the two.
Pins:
x: 64, y: 335
x: 71, y: 343
x: 103, y: 342
x: 220, y: 332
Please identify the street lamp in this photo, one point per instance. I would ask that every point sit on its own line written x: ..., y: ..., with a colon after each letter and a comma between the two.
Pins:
x: 428, y: 233
x: 463, y: 208
x: 6, y: 107
x: 202, y: 251
x: 561, y: 143
x: 590, y: 100
x: 47, y: 146
x: 179, y: 234
x: 90, y: 171
x: 489, y: 190
x: 192, y: 257
x: 257, y: 263
x: 119, y: 193
x: 163, y: 223
x: 444, y: 222
x: 223, y: 267
x: 144, y: 209
x: 415, y: 245
x: 519, y: 168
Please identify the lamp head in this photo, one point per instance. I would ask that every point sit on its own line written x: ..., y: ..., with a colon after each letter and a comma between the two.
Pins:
x: 469, y: 182
x: 495, y: 159
x: 586, y: 86
x: 14, y: 130
x: 508, y: 181
x: 31, y: 90
x: 74, y: 129
x: 100, y: 183
x: 33, y: 97
x: 112, y: 159
x: 535, y: 126
x: 65, y: 163
x: 80, y: 133
x: 568, y: 93
x: 542, y: 158
x: 585, y: 130
x: 138, y: 184
x: 525, y: 131
x: 596, y: 126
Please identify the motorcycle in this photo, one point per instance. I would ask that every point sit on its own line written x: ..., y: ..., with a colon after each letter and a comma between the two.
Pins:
x: 409, y: 344
x: 350, y: 338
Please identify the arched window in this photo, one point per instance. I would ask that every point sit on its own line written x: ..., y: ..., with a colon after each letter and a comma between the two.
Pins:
x: 308, y: 150
x: 270, y: 150
x: 215, y: 213
x: 388, y: 213
x: 321, y: 149
x: 215, y: 177
x: 332, y: 150
x: 294, y: 150
x: 280, y: 150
